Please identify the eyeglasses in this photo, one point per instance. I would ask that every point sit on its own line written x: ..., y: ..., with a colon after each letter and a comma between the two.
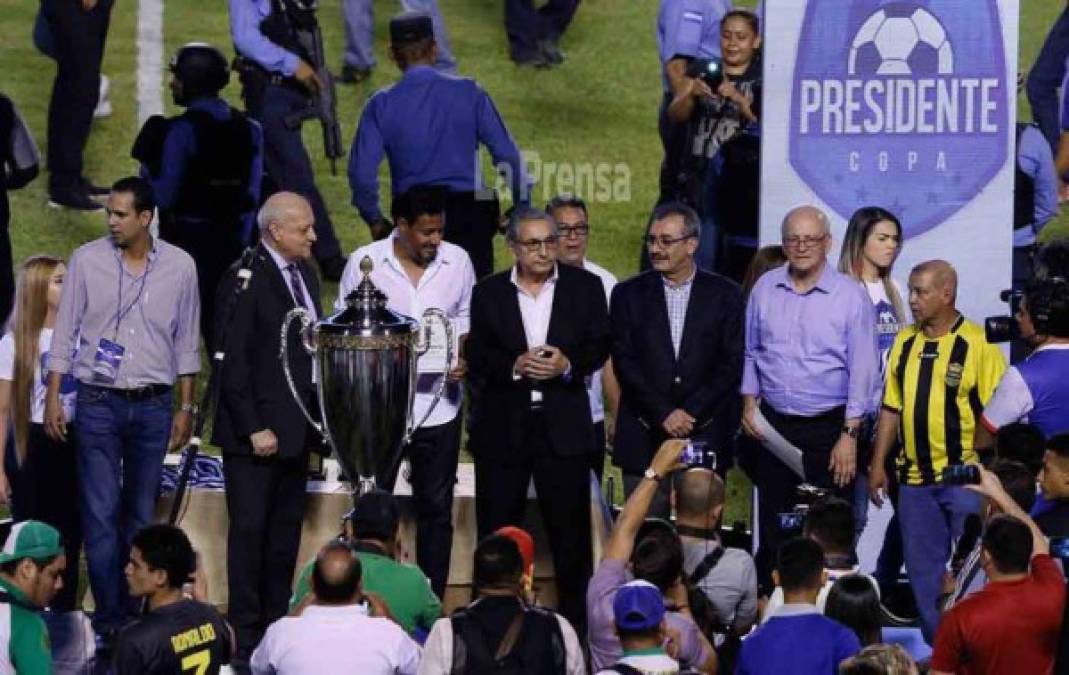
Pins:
x: 535, y: 245
x: 580, y: 230
x: 797, y: 242
x: 665, y: 241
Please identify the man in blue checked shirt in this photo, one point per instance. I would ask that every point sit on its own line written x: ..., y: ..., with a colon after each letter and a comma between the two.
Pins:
x: 429, y: 126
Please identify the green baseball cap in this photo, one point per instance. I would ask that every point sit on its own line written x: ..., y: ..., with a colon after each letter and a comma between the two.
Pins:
x: 31, y: 539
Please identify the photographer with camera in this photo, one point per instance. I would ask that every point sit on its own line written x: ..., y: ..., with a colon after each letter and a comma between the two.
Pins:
x: 943, y: 365
x: 1036, y: 389
x: 651, y: 551
x: 1013, y: 624
x: 718, y: 103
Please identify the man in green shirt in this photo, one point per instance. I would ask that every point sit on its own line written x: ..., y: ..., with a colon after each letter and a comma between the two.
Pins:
x: 372, y: 528
x: 31, y: 567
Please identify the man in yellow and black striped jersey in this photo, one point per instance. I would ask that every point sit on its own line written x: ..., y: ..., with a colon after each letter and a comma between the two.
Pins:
x: 940, y: 373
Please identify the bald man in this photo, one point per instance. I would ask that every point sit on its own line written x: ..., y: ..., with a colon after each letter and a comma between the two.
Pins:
x: 335, y: 634
x: 941, y: 372
x: 811, y: 367
x: 264, y: 437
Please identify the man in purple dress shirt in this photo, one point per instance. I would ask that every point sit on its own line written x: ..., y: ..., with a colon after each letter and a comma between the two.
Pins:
x: 811, y: 368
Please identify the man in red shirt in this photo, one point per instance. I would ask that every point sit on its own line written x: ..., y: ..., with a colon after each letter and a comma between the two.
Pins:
x: 1012, y: 625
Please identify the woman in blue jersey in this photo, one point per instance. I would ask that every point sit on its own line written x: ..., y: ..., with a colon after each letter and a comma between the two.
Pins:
x: 871, y: 245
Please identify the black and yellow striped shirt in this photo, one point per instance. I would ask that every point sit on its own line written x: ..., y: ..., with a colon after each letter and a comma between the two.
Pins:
x: 940, y: 388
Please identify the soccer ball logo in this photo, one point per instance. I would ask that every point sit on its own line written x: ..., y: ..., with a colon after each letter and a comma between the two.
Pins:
x: 901, y: 39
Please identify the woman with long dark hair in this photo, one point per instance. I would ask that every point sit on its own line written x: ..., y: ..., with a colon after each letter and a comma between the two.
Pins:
x: 37, y: 475
x: 854, y: 602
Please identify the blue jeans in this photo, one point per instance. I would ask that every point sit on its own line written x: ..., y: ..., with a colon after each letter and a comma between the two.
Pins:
x: 360, y: 41
x: 1046, y: 77
x: 121, y: 445
x: 931, y: 518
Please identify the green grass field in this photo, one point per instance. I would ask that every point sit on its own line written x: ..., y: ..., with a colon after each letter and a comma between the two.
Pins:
x: 600, y: 108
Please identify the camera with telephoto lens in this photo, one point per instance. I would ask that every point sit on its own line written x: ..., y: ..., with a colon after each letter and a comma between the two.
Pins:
x: 709, y: 71
x: 1005, y: 328
x: 1059, y: 548
x: 961, y: 474
x: 791, y: 522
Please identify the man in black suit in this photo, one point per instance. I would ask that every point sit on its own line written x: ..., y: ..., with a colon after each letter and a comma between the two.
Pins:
x: 677, y: 344
x: 537, y: 332
x: 264, y: 436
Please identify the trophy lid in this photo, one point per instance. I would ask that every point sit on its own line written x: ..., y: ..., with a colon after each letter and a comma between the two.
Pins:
x: 365, y: 311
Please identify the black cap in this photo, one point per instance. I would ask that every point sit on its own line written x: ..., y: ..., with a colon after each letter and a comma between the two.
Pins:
x: 410, y: 27
x: 375, y: 516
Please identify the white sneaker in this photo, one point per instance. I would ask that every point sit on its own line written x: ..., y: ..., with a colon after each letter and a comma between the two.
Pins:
x: 103, y: 108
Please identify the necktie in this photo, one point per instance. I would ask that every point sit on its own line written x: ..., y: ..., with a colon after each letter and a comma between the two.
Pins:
x: 295, y: 285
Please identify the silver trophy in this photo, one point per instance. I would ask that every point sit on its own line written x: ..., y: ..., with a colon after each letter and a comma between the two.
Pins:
x: 364, y: 357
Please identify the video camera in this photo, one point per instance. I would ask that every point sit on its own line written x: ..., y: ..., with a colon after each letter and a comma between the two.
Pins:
x: 1005, y: 328
x: 791, y: 522
x: 709, y: 71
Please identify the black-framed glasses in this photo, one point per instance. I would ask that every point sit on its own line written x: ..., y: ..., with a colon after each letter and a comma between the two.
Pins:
x: 579, y: 229
x: 794, y: 241
x: 535, y: 245
x: 665, y: 241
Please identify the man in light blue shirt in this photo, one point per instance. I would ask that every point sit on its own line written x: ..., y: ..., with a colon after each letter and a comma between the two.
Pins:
x: 429, y: 126
x: 811, y: 369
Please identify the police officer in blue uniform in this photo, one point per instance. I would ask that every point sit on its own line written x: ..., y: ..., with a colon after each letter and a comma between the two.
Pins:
x: 429, y: 126
x: 206, y: 166
x: 277, y: 79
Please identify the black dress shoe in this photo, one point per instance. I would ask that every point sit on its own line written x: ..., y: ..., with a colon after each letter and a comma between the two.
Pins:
x: 332, y: 268
x: 94, y: 190
x: 73, y: 199
x: 533, y: 61
x: 353, y: 74
x: 551, y: 52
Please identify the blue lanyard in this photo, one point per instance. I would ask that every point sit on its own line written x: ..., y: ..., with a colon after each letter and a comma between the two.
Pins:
x: 121, y: 313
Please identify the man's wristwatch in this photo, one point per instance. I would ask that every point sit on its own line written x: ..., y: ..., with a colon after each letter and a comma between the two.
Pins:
x: 190, y: 408
x: 652, y: 475
x: 850, y: 431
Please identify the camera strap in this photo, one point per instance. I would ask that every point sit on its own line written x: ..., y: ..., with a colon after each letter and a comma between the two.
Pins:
x: 708, y: 563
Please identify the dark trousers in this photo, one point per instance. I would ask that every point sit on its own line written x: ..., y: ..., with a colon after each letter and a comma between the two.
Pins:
x: 45, y: 487
x: 433, y: 455
x: 265, y: 498
x: 213, y: 247
x: 776, y: 484
x: 79, y: 49
x: 470, y: 223
x: 673, y: 141
x: 7, y: 269
x: 563, y: 486
x: 1045, y: 78
x: 286, y: 162
x: 597, y: 460
x: 527, y: 26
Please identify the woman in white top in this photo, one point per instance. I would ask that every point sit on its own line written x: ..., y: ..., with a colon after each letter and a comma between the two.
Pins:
x: 871, y: 245
x: 37, y: 474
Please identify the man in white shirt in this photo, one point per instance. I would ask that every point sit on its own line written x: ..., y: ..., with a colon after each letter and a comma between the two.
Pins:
x: 573, y: 228
x: 417, y: 271
x: 335, y: 635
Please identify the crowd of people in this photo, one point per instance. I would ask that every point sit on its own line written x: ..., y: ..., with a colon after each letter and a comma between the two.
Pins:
x: 813, y: 379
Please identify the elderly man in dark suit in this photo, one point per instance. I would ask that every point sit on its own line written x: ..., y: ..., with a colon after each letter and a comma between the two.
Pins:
x: 538, y: 331
x: 264, y: 437
x: 677, y: 337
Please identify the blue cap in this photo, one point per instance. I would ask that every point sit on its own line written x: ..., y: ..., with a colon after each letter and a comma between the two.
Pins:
x: 638, y: 605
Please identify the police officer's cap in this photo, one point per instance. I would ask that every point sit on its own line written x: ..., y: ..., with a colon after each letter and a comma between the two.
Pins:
x: 410, y: 27
x: 201, y: 67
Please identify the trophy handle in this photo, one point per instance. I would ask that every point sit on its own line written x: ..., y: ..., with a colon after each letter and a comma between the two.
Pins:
x: 422, y: 346
x: 298, y: 313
